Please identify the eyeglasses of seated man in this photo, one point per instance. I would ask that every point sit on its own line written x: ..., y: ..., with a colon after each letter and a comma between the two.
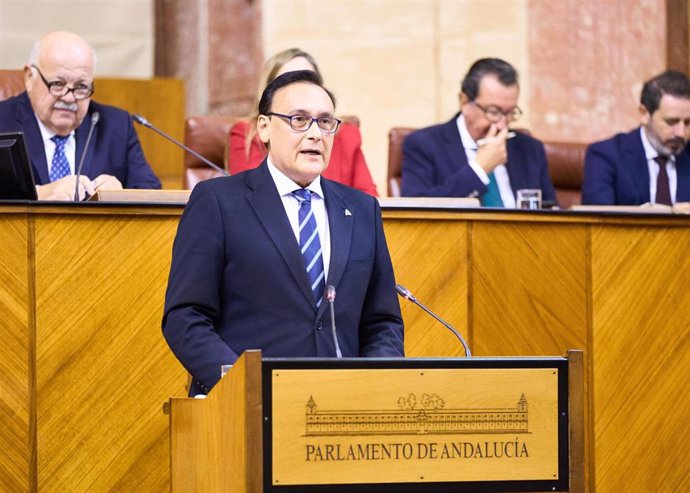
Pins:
x: 59, y: 88
x: 494, y: 114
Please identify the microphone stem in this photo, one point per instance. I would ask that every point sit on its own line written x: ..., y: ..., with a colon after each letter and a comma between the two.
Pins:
x: 186, y: 148
x: 94, y: 121
x: 335, y: 337
x: 446, y: 325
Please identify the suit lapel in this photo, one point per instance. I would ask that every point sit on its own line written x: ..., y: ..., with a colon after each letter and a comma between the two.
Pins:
x: 269, y: 209
x: 34, y: 141
x: 81, y: 135
x: 455, y: 150
x: 340, y: 220
x: 635, y: 158
x: 683, y: 176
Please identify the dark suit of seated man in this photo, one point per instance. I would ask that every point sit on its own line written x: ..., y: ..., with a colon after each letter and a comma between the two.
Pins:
x: 651, y: 163
x: 55, y: 114
x: 474, y: 154
x: 255, y: 251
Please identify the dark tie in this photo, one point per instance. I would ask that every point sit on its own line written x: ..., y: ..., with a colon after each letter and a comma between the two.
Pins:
x: 492, y: 197
x: 60, y: 166
x: 663, y: 189
x: 310, y: 245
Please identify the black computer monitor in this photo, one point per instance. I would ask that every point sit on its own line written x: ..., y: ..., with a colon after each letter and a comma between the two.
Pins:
x: 16, y: 176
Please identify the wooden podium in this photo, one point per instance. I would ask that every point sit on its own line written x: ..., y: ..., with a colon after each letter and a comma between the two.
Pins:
x: 384, y: 425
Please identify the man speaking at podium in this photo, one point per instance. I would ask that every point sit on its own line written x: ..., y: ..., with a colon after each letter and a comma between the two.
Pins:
x: 57, y: 115
x: 255, y: 252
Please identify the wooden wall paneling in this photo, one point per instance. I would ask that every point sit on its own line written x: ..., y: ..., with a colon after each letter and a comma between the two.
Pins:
x: 430, y: 259
x: 103, y: 367
x: 530, y: 292
x: 15, y: 371
x: 529, y: 288
x: 641, y: 356
x: 162, y: 102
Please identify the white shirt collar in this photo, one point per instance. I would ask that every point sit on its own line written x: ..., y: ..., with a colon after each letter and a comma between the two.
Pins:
x: 649, y: 151
x: 45, y: 133
x: 286, y: 186
x: 467, y: 140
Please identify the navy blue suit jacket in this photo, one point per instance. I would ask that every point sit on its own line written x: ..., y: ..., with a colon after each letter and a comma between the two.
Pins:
x: 616, y: 172
x: 237, y: 279
x: 435, y: 165
x: 114, y: 147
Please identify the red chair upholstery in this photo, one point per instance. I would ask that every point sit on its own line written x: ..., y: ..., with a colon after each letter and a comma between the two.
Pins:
x: 11, y: 83
x: 396, y: 137
x: 566, y: 167
x: 207, y: 135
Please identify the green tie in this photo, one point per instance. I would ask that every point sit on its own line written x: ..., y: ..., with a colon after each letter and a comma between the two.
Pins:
x: 492, y: 197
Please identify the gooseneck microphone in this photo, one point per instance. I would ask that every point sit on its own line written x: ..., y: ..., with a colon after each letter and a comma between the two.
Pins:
x: 94, y: 119
x: 405, y: 293
x: 330, y: 298
x: 144, y: 122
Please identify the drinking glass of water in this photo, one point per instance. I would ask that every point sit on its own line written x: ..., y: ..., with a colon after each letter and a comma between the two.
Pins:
x: 528, y: 198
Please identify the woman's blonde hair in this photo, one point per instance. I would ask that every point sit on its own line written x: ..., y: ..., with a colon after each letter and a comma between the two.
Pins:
x: 268, y: 73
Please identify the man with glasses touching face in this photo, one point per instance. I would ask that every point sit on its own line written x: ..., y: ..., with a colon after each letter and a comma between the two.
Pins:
x: 56, y: 113
x: 254, y: 252
x: 476, y: 154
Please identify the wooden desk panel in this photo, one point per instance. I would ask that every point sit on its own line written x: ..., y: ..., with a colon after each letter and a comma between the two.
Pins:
x: 529, y: 288
x: 15, y: 344
x: 640, y: 358
x: 84, y: 286
x: 430, y: 259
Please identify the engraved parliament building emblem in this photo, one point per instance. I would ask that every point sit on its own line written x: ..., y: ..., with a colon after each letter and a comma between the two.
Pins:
x: 426, y: 415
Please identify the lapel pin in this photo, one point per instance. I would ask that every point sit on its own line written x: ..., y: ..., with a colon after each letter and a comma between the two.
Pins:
x: 347, y: 213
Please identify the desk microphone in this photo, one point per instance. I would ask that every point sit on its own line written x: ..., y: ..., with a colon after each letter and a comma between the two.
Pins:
x: 405, y: 293
x: 144, y: 122
x: 94, y: 119
x: 330, y: 297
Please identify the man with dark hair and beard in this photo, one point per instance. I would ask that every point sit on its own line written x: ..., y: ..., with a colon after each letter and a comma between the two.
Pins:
x: 651, y: 163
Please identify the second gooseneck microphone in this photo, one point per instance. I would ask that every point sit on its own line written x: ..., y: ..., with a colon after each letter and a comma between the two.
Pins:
x: 330, y: 298
x: 405, y: 293
x: 144, y: 122
x: 94, y: 119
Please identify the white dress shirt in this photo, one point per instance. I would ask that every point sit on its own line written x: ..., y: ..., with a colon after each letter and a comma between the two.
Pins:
x: 285, y: 188
x: 500, y: 171
x: 49, y: 146
x: 653, y: 168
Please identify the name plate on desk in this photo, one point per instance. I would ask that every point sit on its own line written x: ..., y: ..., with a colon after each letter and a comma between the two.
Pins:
x: 415, y: 427
x: 141, y: 195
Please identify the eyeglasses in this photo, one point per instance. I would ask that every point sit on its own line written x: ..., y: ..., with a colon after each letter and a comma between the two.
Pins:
x: 59, y: 88
x: 302, y: 123
x: 493, y: 114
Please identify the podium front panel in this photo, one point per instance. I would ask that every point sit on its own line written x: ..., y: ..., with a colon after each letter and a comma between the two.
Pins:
x: 417, y: 425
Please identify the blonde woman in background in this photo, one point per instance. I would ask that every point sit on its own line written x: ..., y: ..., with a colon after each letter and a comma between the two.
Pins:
x: 246, y: 151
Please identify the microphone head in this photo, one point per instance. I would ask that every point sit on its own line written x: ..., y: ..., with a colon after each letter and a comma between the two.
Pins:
x: 141, y: 120
x: 404, y: 292
x: 95, y: 116
x: 330, y: 293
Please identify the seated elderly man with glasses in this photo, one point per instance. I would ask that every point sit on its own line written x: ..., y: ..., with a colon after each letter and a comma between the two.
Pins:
x: 56, y: 113
x: 476, y: 154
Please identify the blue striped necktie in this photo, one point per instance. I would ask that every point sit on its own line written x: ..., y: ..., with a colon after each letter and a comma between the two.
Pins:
x: 492, y: 197
x: 59, y: 166
x: 310, y: 245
